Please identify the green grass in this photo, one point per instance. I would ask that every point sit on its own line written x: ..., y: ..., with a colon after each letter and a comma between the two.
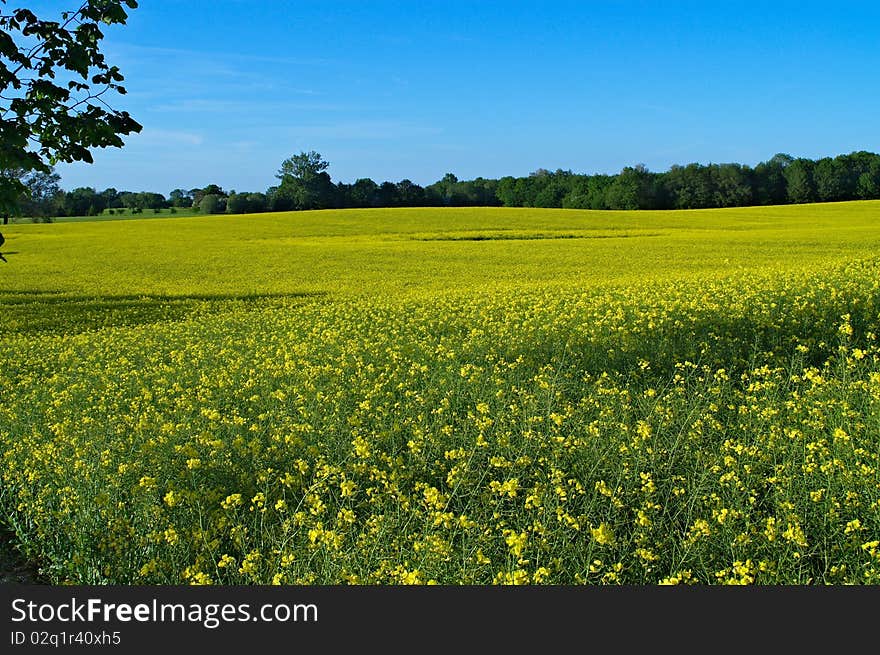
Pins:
x: 457, y: 395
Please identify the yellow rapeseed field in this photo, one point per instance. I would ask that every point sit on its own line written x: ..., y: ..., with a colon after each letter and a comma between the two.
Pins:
x: 453, y: 396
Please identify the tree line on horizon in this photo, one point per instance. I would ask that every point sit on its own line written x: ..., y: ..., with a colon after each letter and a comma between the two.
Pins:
x: 305, y: 184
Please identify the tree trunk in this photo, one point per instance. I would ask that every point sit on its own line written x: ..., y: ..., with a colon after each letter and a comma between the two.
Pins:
x: 5, y: 219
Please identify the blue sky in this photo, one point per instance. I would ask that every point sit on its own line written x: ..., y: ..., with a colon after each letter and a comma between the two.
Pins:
x: 226, y: 90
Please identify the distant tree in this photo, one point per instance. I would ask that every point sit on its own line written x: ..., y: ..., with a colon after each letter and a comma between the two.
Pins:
x: 152, y: 200
x: 526, y: 188
x: 53, y: 79
x: 110, y: 198
x: 280, y: 199
x: 196, y: 195
x: 769, y: 185
x: 588, y: 192
x: 237, y: 203
x: 800, y: 186
x: 387, y: 194
x: 781, y: 159
x: 868, y: 185
x: 303, y: 165
x: 623, y: 193
x: 180, y: 198
x: 445, y: 189
x: 257, y: 202
x: 633, y: 188
x: 214, y: 189
x: 305, y: 183
x: 850, y: 167
x: 342, y: 195
x: 129, y: 200
x: 489, y: 192
x: 210, y: 204
x: 42, y: 192
x: 552, y: 189
x: 409, y: 194
x: 142, y: 200
x: 732, y: 185
x: 829, y: 177
x: 690, y: 187
x: 597, y: 190
x: 448, y: 191
x: 83, y: 201
x: 364, y: 193
x: 506, y: 192
x: 481, y: 192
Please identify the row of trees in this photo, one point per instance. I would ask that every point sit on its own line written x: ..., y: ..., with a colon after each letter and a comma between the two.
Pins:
x: 305, y: 184
x: 781, y: 180
x: 43, y: 198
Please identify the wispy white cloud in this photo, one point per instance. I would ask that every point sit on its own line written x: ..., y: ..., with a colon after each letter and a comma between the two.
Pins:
x: 178, y: 54
x: 160, y: 137
x: 245, y: 145
x: 363, y: 130
x: 209, y: 105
